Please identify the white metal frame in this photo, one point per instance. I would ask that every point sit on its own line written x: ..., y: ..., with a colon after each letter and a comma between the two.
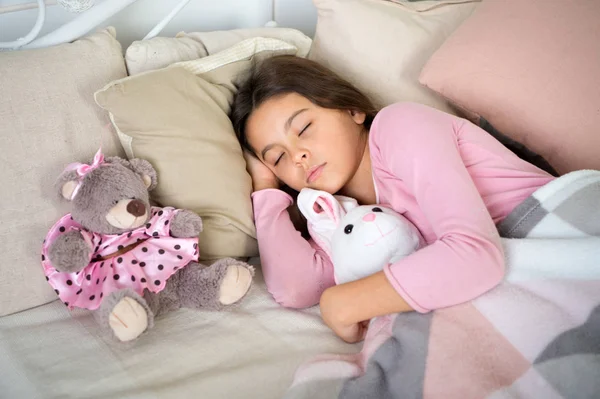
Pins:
x: 83, y: 23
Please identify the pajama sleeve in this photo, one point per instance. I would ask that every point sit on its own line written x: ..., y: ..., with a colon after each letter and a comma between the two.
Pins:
x: 419, y: 146
x: 296, y: 271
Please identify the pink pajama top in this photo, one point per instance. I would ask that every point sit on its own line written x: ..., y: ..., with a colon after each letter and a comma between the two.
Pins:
x: 146, y: 266
x: 450, y: 178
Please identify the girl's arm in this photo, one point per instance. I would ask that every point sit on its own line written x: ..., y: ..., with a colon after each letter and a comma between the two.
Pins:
x: 296, y: 271
x: 419, y: 146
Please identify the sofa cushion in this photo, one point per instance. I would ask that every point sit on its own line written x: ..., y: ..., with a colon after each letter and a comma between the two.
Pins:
x: 249, y: 351
x: 532, y: 69
x: 381, y: 46
x: 49, y: 119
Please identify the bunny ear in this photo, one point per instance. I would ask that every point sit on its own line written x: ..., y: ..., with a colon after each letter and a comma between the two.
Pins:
x: 319, y: 207
x: 346, y: 203
x: 323, y: 213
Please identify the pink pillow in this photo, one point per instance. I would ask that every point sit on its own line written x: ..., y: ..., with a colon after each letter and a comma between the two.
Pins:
x: 532, y: 69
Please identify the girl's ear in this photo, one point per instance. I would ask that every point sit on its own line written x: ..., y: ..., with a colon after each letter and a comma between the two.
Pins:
x: 358, y: 116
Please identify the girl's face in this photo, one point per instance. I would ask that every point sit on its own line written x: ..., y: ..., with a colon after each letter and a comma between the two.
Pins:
x: 305, y: 145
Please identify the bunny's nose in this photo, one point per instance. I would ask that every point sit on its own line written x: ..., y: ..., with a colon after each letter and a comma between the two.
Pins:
x: 369, y: 217
x: 136, y: 208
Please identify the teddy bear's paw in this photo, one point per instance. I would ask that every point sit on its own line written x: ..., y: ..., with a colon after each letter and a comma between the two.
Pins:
x: 128, y: 319
x: 186, y: 224
x: 70, y: 252
x: 235, y: 283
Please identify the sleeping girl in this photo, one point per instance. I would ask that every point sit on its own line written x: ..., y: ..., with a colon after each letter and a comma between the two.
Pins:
x: 302, y: 126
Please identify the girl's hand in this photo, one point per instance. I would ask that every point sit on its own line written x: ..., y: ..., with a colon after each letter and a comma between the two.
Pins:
x: 347, y: 308
x: 334, y: 311
x: 262, y: 177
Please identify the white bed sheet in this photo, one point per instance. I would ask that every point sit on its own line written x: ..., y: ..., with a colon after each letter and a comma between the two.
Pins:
x: 251, y: 351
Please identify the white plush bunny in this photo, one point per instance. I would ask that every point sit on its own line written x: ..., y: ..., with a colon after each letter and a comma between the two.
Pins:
x: 361, y: 240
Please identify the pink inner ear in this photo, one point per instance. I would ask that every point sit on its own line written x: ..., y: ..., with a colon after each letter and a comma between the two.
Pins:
x: 317, y: 208
x: 327, y: 207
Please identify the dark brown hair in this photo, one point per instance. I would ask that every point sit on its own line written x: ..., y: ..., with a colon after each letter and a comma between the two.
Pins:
x: 286, y: 74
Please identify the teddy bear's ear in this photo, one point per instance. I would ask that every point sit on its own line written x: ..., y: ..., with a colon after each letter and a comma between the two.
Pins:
x: 118, y: 160
x: 66, y: 184
x: 145, y: 169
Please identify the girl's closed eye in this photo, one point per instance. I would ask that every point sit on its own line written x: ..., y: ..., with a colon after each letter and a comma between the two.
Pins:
x: 303, y: 130
x: 279, y: 158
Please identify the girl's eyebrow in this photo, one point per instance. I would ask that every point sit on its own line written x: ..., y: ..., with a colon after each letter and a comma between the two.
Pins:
x: 288, y: 123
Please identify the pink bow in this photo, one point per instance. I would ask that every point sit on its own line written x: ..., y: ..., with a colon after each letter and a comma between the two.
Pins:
x: 83, y: 169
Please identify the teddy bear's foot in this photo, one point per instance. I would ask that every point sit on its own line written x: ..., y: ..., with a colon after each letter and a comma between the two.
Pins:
x: 212, y: 287
x: 126, y: 314
x: 128, y: 319
x: 235, y: 284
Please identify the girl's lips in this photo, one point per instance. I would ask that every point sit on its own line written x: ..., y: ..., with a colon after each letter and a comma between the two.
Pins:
x: 314, y: 173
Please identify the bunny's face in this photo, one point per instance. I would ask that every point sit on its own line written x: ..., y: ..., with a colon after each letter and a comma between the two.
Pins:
x: 361, y: 240
x: 367, y: 239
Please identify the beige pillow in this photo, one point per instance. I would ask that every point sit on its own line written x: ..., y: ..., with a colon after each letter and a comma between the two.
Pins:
x: 177, y: 118
x: 49, y: 119
x: 159, y: 52
x: 381, y: 46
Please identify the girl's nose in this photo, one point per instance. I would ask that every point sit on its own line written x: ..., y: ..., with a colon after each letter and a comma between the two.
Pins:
x: 369, y: 217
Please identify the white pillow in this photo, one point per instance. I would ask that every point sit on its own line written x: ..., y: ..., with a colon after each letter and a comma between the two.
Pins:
x: 159, y: 52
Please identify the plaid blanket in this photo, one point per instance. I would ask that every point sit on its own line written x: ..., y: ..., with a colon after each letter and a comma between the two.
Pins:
x: 536, y: 335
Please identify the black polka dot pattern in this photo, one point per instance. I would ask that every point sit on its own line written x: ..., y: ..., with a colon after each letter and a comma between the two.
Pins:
x: 156, y: 264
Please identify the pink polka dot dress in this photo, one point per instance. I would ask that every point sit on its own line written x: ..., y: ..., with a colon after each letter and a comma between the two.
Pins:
x: 146, y: 266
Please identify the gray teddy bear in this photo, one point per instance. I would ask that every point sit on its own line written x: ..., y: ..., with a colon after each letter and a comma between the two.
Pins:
x: 130, y: 261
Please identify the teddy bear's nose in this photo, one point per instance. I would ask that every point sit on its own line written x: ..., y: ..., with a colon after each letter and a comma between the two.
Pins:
x: 369, y: 217
x: 136, y: 208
